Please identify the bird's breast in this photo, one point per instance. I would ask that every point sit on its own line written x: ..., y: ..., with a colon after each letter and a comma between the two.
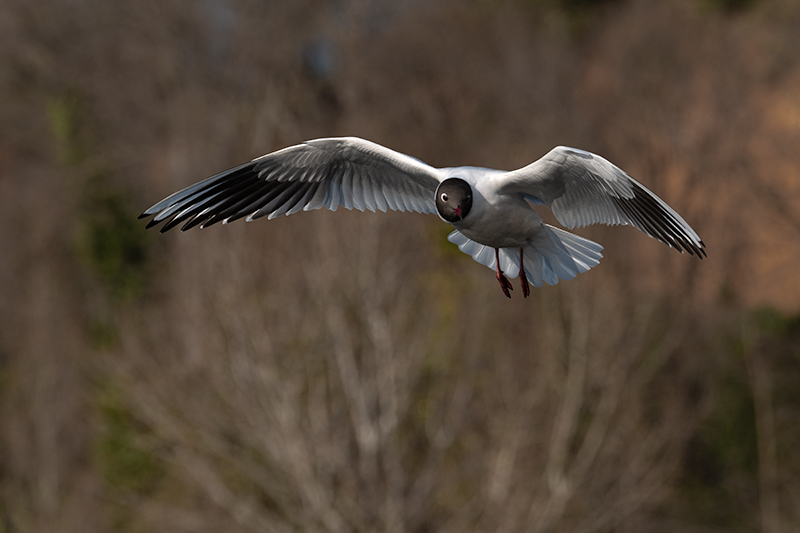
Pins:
x: 507, y: 223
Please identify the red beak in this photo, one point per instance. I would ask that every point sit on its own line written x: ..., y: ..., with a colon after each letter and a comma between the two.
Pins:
x: 457, y: 211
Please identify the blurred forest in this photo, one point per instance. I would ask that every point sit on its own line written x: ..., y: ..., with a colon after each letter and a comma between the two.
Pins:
x: 353, y: 371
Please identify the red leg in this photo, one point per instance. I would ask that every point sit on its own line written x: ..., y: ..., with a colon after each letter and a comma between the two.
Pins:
x: 526, y: 289
x: 504, y: 283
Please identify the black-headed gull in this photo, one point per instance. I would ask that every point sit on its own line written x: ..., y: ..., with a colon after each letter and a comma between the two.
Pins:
x: 490, y: 209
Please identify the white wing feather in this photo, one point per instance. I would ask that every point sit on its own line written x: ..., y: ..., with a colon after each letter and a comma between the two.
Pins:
x: 346, y: 171
x: 583, y: 188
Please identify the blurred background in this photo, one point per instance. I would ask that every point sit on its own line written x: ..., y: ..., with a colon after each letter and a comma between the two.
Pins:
x: 353, y: 371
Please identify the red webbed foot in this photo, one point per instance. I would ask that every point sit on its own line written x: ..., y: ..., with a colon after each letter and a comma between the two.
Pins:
x: 526, y: 288
x: 504, y: 283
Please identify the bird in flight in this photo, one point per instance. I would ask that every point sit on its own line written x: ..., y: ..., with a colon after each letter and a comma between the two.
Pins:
x: 489, y: 209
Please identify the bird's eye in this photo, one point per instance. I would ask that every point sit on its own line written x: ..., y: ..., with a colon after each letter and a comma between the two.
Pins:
x: 444, y: 196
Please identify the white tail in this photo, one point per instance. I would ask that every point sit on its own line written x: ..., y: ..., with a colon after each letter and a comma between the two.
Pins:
x: 552, y: 255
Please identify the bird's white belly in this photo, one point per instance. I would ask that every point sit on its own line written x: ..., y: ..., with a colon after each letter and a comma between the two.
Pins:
x: 508, y: 225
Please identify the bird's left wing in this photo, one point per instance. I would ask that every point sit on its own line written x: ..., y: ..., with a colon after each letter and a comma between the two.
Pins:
x: 346, y: 171
x: 583, y: 188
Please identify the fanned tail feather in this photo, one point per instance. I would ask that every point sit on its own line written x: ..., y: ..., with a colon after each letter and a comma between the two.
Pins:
x: 552, y: 255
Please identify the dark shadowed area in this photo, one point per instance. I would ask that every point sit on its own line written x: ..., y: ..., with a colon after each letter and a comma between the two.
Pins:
x: 353, y: 371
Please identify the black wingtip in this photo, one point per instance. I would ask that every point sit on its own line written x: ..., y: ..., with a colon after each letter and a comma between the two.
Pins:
x: 194, y: 221
x: 171, y: 224
x: 211, y: 221
x: 694, y: 249
x: 152, y: 223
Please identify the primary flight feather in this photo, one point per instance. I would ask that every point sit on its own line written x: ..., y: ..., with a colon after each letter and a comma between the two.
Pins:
x: 490, y: 209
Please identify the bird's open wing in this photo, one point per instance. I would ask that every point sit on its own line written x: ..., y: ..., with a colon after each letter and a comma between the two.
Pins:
x: 583, y: 188
x: 346, y: 171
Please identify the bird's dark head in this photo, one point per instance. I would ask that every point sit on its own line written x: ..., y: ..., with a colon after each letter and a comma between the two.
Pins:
x: 453, y: 199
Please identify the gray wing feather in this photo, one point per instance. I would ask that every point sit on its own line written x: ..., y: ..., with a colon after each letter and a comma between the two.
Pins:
x: 583, y: 188
x: 346, y: 171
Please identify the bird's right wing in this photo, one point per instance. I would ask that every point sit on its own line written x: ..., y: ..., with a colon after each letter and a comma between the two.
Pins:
x: 346, y: 171
x: 583, y: 188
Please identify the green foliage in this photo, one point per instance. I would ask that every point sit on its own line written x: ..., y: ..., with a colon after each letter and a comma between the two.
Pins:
x: 722, y: 462
x: 437, y: 236
x: 729, y: 434
x: 110, y: 241
x: 723, y: 455
x: 772, y: 322
x: 65, y: 115
x: 123, y: 446
x: 779, y: 345
x: 103, y: 334
x: 5, y: 521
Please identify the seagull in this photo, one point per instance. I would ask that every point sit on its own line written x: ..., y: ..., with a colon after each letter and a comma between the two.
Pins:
x: 491, y: 210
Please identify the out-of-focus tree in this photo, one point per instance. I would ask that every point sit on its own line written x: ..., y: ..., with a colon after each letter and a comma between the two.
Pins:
x: 349, y: 371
